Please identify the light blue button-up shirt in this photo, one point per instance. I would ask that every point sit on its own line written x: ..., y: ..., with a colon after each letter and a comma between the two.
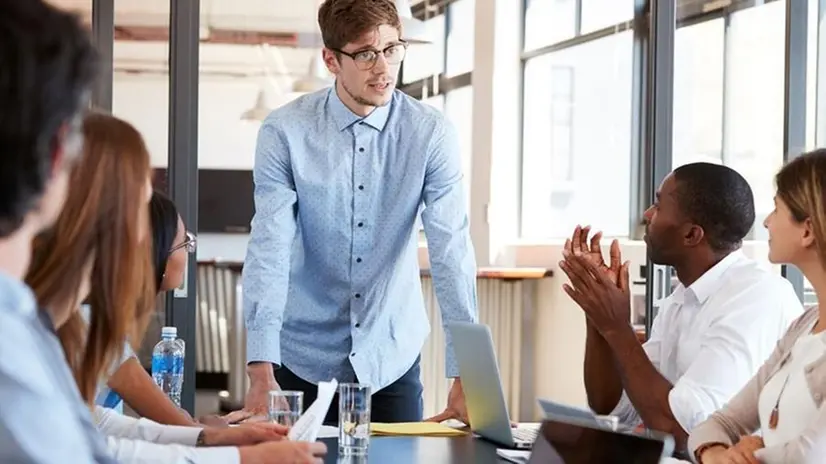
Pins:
x: 331, y: 278
x: 42, y: 416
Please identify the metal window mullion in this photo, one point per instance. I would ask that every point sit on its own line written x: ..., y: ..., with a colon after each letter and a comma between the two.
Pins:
x: 183, y: 169
x: 639, y: 197
x: 794, y: 134
x: 660, y: 101
x: 103, y: 35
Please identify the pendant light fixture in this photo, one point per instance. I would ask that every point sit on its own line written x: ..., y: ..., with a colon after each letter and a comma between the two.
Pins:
x: 317, y: 77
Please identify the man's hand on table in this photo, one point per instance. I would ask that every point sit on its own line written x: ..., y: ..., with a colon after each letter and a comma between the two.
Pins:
x: 256, y: 402
x: 248, y: 434
x: 456, y: 408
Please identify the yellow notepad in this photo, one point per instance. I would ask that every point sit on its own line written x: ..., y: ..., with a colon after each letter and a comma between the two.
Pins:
x: 422, y: 429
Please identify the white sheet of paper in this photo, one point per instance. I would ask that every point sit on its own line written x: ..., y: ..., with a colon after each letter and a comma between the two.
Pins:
x: 308, y: 426
x: 516, y: 456
x: 328, y: 431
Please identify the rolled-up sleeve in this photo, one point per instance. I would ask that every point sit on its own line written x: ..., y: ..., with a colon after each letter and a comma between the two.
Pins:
x: 266, y: 271
x: 446, y: 226
x: 724, y: 364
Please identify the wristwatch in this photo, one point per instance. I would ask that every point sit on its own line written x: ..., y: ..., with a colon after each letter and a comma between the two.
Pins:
x: 201, y: 440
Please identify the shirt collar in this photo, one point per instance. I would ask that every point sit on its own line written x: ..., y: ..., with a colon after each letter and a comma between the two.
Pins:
x: 345, y: 118
x: 16, y: 296
x: 707, y: 284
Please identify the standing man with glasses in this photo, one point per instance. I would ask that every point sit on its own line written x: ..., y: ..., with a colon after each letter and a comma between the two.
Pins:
x: 331, y: 277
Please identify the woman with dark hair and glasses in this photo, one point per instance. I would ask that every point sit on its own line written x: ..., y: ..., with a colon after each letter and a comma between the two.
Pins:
x: 171, y: 243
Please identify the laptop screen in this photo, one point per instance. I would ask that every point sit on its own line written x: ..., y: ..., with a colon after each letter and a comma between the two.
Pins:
x: 561, y: 441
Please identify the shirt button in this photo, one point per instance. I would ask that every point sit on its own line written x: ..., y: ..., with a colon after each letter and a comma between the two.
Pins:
x: 358, y: 260
x: 358, y: 325
x: 357, y: 295
x: 361, y: 149
x: 361, y: 187
x: 352, y: 354
x: 360, y: 224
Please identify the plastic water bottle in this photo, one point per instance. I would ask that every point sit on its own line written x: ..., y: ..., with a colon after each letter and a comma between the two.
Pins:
x: 168, y: 364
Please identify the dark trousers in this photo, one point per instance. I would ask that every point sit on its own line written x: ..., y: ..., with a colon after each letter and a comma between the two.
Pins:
x: 400, y: 401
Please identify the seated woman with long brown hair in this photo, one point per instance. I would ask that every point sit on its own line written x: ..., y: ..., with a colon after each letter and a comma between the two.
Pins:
x: 98, y: 252
x: 785, y: 400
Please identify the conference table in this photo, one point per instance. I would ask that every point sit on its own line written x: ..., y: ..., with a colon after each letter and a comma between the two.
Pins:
x: 419, y: 450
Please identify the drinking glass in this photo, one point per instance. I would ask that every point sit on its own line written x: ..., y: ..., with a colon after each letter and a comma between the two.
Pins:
x: 353, y: 418
x: 285, y: 406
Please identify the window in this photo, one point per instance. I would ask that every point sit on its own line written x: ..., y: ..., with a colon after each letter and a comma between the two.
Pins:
x: 549, y: 21
x: 562, y: 120
x: 436, y: 101
x: 598, y: 14
x: 460, y: 37
x: 577, y: 139
x: 698, y: 93
x: 458, y: 107
x: 425, y: 60
x: 753, y: 129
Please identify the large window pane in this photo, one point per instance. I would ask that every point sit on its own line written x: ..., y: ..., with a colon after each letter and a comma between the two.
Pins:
x: 436, y: 101
x: 424, y: 60
x: 549, y: 21
x: 698, y: 93
x: 577, y: 139
x: 754, y: 100
x: 459, y: 109
x: 460, y: 37
x: 597, y: 14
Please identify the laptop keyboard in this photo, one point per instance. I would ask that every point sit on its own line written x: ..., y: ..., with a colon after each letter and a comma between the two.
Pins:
x: 525, y: 434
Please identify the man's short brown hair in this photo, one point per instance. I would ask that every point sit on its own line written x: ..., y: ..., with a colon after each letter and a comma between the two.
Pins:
x: 344, y: 21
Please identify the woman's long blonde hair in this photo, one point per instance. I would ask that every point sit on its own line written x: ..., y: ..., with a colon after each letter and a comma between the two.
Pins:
x: 104, y: 223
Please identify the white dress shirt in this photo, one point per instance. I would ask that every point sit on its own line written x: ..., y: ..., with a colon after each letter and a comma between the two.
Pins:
x: 709, y: 339
x: 142, y: 441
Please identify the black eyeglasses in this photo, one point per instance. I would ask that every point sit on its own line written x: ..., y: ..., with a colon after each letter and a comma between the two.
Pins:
x: 366, y: 59
x: 190, y: 243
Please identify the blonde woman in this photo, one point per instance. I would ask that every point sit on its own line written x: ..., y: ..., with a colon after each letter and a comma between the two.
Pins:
x: 784, y: 401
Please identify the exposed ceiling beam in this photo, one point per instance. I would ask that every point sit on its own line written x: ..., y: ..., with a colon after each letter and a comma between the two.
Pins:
x: 213, y: 36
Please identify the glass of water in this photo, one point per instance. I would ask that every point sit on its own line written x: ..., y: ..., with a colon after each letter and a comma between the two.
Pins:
x: 285, y: 406
x: 353, y: 419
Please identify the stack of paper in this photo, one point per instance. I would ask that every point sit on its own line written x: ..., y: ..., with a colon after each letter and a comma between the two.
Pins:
x: 515, y: 456
x: 307, y: 427
x: 420, y: 429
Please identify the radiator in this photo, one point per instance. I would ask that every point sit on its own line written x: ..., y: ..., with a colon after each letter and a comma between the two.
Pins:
x: 506, y: 306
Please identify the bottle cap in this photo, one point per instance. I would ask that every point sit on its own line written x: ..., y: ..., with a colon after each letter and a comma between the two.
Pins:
x: 169, y: 332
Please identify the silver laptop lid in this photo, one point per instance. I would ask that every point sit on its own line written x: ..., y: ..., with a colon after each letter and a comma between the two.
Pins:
x: 479, y: 371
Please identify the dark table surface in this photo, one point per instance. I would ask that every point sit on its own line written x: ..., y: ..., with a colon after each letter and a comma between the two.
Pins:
x: 420, y: 450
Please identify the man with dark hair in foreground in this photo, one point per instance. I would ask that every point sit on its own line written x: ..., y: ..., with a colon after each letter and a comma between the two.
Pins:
x: 711, y: 334
x: 47, y: 65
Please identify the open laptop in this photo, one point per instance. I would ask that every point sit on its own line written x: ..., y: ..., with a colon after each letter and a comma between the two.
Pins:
x: 484, y: 398
x: 566, y: 440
